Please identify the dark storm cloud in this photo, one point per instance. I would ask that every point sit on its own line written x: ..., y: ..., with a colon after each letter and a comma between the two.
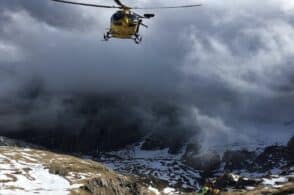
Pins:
x: 46, y: 11
x: 230, y: 63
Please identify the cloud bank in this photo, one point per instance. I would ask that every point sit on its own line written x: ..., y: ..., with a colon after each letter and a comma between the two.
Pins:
x: 229, y: 64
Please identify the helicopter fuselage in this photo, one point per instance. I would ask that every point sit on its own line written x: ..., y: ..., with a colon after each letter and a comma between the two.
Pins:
x: 124, y: 24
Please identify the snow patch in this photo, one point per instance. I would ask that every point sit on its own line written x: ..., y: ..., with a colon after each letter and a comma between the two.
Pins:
x: 156, y: 163
x: 22, y: 174
x: 154, y: 190
x: 169, y: 190
x: 275, y: 181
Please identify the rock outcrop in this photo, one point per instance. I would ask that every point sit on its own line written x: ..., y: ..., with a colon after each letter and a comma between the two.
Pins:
x: 238, y: 159
x: 206, y: 162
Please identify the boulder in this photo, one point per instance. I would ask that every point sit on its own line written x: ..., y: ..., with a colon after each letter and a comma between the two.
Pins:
x: 104, y: 186
x: 241, y: 159
x: 192, y: 149
x: 271, y: 157
x: 229, y: 180
x: 226, y: 180
x: 207, y: 162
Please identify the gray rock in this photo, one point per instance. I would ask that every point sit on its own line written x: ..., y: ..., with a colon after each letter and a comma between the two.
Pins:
x: 271, y: 157
x: 241, y: 159
x: 229, y: 180
x: 207, y: 162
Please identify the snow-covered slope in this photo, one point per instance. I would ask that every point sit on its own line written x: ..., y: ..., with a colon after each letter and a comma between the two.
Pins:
x: 22, y: 172
x: 158, y: 164
x: 25, y: 171
x: 260, y: 162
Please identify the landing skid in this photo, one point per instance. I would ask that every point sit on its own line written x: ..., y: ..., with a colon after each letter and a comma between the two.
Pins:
x: 137, y: 37
x: 107, y: 36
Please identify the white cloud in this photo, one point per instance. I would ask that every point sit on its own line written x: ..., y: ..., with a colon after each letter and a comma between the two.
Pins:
x: 251, y: 70
x: 238, y: 51
x: 10, y: 53
x: 213, y: 130
x: 286, y: 5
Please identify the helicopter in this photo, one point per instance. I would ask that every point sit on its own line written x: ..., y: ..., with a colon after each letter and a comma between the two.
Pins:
x: 125, y: 24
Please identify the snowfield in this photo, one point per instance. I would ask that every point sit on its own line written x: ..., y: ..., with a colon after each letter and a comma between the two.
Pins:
x: 25, y: 171
x: 172, y: 171
x: 21, y: 173
x: 156, y: 163
x: 29, y: 172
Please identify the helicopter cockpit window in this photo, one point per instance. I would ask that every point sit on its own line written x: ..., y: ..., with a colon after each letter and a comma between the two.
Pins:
x: 132, y: 20
x: 117, y: 17
x: 132, y: 17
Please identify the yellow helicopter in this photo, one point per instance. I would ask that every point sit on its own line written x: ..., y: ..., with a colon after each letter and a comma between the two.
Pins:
x: 125, y: 24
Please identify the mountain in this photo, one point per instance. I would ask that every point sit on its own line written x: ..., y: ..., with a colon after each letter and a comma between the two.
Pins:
x: 91, y: 123
x: 29, y: 169
x: 192, y: 169
x: 151, y: 145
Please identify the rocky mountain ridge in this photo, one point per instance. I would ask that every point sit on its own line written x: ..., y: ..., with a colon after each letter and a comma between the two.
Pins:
x: 191, y: 169
x: 268, y: 171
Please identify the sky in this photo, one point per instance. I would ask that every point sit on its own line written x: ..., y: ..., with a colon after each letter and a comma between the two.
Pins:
x: 230, y: 63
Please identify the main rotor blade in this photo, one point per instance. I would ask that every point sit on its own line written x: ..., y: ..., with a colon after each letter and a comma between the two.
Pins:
x: 169, y: 7
x: 85, y: 4
x: 119, y: 3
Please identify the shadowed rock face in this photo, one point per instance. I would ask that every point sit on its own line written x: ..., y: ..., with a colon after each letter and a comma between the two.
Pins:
x: 168, y: 130
x: 291, y: 149
x: 272, y: 157
x: 238, y: 159
x: 174, y: 140
x: 96, y: 123
x: 206, y: 162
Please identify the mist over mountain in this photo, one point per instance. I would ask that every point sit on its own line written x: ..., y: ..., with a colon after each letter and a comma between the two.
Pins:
x: 223, y: 73
x: 95, y: 122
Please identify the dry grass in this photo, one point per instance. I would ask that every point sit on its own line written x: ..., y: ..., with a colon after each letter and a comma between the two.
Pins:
x: 91, y: 176
x: 284, y: 190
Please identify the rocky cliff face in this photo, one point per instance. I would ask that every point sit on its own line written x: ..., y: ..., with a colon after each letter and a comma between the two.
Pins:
x: 259, y: 160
